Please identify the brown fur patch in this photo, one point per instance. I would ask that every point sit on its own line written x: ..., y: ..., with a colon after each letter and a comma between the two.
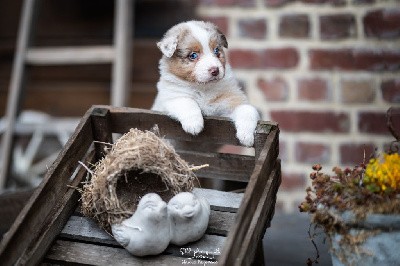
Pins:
x: 214, y: 44
x: 179, y: 64
x: 232, y: 99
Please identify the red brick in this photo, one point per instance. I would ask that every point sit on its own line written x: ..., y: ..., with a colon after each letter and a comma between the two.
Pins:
x: 313, y: 90
x: 353, y: 154
x: 294, y: 26
x: 277, y: 3
x: 361, y: 2
x: 357, y: 91
x: 348, y: 59
x: 372, y: 123
x: 275, y: 89
x: 227, y: 3
x: 221, y: 22
x: 307, y: 121
x: 279, y: 58
x: 391, y: 90
x: 337, y: 26
x: 252, y: 28
x: 332, y: 2
x: 293, y: 181
x: 312, y: 153
x: 382, y: 23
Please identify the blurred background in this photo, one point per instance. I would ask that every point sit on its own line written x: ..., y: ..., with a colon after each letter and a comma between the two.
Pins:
x: 325, y: 70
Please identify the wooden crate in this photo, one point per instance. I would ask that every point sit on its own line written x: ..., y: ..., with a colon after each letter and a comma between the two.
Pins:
x: 49, y: 230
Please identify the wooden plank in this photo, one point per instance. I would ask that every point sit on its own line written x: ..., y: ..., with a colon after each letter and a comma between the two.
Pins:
x: 220, y: 200
x: 27, y: 226
x: 85, y: 229
x: 261, y: 217
x: 222, y: 166
x: 218, y: 130
x: 81, y: 253
x: 258, y: 181
x: 220, y: 222
x: 57, y: 218
x: 70, y: 55
x: 262, y: 131
x: 101, y: 131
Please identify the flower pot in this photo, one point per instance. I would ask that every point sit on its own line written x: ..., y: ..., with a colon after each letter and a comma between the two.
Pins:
x: 372, y: 241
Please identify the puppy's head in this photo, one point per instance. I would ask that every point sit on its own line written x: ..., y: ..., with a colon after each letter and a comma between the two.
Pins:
x: 194, y: 51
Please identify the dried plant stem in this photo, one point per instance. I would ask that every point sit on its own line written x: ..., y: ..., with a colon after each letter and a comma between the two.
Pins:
x: 311, y: 236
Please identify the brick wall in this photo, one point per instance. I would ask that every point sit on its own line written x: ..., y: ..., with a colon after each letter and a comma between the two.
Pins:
x: 325, y: 70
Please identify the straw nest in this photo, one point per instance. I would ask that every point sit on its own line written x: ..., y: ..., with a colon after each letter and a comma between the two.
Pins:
x: 137, y: 164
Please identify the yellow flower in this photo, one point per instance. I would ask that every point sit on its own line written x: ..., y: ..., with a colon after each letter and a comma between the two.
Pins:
x: 383, y: 174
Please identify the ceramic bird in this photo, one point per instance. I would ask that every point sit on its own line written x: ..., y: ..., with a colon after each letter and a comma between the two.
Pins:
x: 189, y: 216
x: 147, y: 232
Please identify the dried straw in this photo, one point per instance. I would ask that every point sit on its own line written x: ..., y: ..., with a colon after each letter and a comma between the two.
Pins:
x: 137, y: 164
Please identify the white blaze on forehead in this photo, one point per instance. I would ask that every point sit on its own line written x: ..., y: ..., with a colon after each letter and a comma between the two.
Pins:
x: 202, y: 35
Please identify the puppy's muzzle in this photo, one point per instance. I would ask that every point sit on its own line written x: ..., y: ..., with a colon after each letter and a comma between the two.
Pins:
x: 214, y: 71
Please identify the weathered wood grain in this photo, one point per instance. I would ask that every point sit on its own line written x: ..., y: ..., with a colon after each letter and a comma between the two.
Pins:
x: 220, y: 200
x: 50, y: 192
x: 262, y: 216
x: 63, y: 252
x: 222, y: 166
x: 54, y: 202
x: 83, y: 229
x: 55, y: 221
x: 101, y: 131
x: 264, y: 166
x: 216, y: 129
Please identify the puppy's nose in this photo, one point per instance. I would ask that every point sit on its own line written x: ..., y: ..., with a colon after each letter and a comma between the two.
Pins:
x: 214, y: 71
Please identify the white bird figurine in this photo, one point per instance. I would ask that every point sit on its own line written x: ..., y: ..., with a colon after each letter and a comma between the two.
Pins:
x: 147, y: 232
x: 189, y: 216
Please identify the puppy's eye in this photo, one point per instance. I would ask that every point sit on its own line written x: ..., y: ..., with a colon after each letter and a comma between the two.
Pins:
x: 193, y: 56
x: 216, y: 51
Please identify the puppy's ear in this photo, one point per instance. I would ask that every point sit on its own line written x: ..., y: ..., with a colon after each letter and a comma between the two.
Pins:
x: 222, y: 39
x: 168, y: 45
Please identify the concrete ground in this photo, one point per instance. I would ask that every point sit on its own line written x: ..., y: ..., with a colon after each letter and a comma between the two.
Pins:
x: 287, y: 243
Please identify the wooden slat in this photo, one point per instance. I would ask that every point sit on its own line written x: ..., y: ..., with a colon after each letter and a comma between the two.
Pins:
x: 220, y: 222
x: 216, y: 129
x: 101, y: 131
x: 83, y: 229
x: 27, y: 227
x: 261, y: 217
x: 258, y: 181
x: 70, y: 55
x: 220, y: 200
x: 222, y: 166
x: 81, y: 253
x: 56, y: 220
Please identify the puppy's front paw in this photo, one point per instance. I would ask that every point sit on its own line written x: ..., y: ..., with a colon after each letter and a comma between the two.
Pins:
x: 193, y: 125
x: 246, y: 137
x: 245, y: 117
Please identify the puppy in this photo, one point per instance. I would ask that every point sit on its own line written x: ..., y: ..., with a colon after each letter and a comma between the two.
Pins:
x: 196, y: 80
